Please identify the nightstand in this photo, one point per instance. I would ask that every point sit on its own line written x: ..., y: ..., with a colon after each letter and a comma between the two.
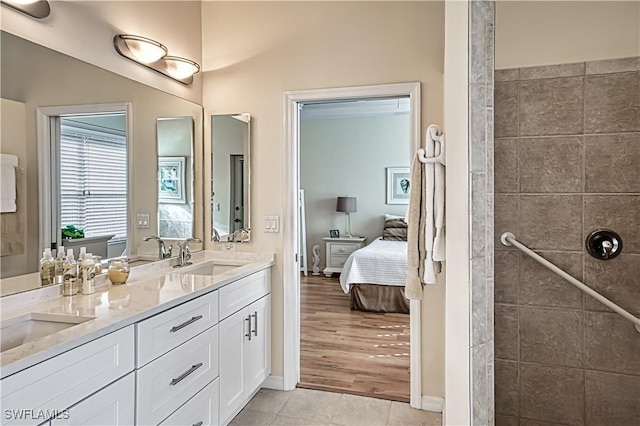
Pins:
x: 337, y: 250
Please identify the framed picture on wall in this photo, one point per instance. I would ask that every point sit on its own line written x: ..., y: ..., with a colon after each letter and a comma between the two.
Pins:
x: 398, y: 185
x: 171, y: 180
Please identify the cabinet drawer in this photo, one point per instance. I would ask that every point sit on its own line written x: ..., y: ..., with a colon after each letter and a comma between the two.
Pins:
x: 243, y: 292
x: 112, y: 406
x: 163, y: 332
x: 346, y: 249
x: 62, y: 381
x: 337, y: 261
x: 171, y: 380
x: 201, y: 410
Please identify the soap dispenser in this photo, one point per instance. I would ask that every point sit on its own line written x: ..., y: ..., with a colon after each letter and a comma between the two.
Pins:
x: 47, y: 268
x: 70, y: 285
x: 59, y: 266
x: 88, y: 274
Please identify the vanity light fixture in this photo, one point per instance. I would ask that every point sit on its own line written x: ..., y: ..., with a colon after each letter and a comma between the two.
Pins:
x: 38, y: 9
x: 153, y: 55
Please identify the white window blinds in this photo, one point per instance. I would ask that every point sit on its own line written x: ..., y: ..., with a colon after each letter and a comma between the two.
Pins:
x: 93, y: 180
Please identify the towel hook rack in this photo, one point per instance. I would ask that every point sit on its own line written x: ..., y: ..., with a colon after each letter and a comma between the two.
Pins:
x: 433, y: 134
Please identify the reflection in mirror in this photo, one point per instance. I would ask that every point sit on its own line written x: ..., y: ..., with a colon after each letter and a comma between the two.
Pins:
x: 175, y: 177
x: 34, y: 79
x: 230, y: 177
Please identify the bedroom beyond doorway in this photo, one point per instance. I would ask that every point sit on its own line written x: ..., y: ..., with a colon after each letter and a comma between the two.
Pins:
x: 349, y: 351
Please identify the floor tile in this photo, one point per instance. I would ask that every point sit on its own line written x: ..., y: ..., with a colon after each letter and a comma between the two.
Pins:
x: 269, y: 401
x: 359, y: 410
x: 295, y: 421
x: 248, y: 417
x: 310, y: 404
x: 403, y: 415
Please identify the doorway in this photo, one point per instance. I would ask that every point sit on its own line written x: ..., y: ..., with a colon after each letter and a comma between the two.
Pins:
x: 293, y: 102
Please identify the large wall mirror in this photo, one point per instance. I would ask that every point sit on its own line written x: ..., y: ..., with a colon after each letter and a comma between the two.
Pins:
x: 155, y: 128
x: 231, y: 177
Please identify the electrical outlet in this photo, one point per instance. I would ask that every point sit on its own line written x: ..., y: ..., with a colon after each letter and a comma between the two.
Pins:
x: 229, y: 246
x: 142, y: 220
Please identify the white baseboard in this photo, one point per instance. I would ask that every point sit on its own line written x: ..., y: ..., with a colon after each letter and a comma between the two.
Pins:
x: 432, y: 403
x: 274, y: 382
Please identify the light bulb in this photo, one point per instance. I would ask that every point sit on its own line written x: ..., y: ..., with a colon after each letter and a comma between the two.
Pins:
x: 181, y: 68
x: 144, y: 49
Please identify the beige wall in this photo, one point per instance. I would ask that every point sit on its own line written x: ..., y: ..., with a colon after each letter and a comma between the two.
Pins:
x: 254, y: 51
x: 85, y: 30
x: 530, y: 33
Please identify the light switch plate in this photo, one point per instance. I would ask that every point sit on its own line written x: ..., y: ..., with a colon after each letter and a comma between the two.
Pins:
x: 142, y: 220
x: 271, y: 224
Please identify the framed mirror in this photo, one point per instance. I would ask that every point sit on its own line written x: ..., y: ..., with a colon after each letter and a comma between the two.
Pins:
x: 37, y: 79
x: 231, y: 177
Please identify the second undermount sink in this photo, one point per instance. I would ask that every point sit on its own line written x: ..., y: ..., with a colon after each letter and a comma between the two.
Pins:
x: 29, y: 327
x: 209, y: 269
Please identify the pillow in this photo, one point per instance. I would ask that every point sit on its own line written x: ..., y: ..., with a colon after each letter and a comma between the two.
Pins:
x: 394, y: 229
x: 392, y: 216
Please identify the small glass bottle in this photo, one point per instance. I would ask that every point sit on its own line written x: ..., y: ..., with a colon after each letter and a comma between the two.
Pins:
x: 59, y: 266
x: 88, y: 274
x: 70, y: 275
x: 98, y: 264
x: 118, y: 270
x: 47, y: 268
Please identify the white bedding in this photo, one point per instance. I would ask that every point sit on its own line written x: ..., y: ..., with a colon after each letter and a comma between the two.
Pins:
x: 381, y: 262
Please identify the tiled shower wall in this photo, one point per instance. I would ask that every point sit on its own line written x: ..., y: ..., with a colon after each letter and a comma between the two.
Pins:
x: 567, y: 161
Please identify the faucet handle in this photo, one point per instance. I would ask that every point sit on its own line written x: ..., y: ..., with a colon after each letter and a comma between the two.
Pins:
x: 168, y: 253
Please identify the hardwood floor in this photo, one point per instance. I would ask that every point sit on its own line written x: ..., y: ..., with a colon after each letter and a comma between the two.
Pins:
x: 347, y: 351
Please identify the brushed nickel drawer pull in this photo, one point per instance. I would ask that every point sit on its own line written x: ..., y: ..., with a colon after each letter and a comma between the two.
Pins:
x: 248, y: 319
x: 198, y: 424
x: 184, y: 324
x: 255, y: 330
x: 185, y: 374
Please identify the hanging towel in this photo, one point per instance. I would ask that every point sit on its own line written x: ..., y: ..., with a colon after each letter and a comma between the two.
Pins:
x: 438, y: 208
x: 8, y: 165
x: 415, y: 219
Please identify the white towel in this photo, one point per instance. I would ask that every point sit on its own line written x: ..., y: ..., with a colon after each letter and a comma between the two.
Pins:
x: 8, y: 183
x: 429, y: 230
x: 438, y: 208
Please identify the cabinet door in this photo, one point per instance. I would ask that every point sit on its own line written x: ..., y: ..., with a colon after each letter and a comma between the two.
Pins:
x: 258, y: 350
x: 233, y: 340
x: 112, y: 405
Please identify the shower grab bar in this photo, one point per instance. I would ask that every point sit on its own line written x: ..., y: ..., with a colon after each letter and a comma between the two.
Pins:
x: 508, y: 239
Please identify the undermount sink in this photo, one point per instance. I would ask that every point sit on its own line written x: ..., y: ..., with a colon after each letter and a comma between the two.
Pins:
x: 209, y: 269
x: 29, y: 327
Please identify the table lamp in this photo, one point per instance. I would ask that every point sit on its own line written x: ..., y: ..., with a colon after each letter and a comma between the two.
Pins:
x: 347, y: 205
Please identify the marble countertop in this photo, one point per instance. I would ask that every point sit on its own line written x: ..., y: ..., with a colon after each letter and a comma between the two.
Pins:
x: 151, y: 289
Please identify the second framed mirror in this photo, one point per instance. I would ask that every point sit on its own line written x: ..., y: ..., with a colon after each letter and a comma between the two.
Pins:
x: 231, y: 177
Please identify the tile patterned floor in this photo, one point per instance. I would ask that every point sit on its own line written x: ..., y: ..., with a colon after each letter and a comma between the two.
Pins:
x: 312, y: 407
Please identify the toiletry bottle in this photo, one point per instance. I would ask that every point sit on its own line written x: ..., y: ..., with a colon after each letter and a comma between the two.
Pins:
x: 47, y: 268
x: 88, y: 274
x: 70, y: 285
x: 83, y: 253
x: 59, y: 266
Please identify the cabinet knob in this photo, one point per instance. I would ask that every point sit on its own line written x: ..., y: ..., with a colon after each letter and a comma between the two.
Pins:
x: 342, y: 249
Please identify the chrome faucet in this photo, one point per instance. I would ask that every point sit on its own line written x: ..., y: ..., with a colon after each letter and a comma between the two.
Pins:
x: 215, y: 235
x: 163, y: 253
x: 184, y: 255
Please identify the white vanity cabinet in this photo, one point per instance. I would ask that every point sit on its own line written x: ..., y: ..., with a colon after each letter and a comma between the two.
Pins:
x: 245, y: 346
x: 62, y: 381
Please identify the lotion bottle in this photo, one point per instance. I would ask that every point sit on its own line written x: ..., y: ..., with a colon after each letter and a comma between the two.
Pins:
x: 70, y: 285
x: 59, y: 266
x: 47, y: 268
x: 88, y: 274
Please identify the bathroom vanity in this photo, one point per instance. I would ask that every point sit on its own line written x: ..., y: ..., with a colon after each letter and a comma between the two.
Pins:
x: 174, y: 346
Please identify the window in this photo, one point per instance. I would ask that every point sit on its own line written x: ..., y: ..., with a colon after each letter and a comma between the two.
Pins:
x: 93, y: 175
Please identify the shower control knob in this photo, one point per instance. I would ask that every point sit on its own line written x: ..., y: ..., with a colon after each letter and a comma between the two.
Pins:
x: 603, y: 244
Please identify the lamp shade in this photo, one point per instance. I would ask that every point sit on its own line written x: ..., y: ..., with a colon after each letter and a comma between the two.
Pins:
x: 347, y: 205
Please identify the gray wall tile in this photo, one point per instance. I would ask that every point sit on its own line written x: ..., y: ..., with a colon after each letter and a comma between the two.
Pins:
x: 613, y: 65
x: 552, y: 71
x: 550, y: 222
x: 551, y: 164
x: 504, y: 218
x: 539, y: 286
x: 479, y: 390
x: 620, y: 213
x: 478, y: 214
x: 611, y: 343
x: 506, y: 165
x: 612, y: 163
x: 552, y: 394
x: 506, y: 110
x: 551, y: 107
x: 529, y: 422
x: 478, y: 301
x: 616, y: 279
x: 506, y: 332
x: 551, y: 336
x: 478, y: 123
x: 507, y: 387
x: 506, y: 420
x: 612, y: 399
x: 612, y: 103
x: 508, y: 74
x: 506, y: 276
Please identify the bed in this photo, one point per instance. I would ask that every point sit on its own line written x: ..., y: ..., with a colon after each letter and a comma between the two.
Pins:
x: 374, y: 276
